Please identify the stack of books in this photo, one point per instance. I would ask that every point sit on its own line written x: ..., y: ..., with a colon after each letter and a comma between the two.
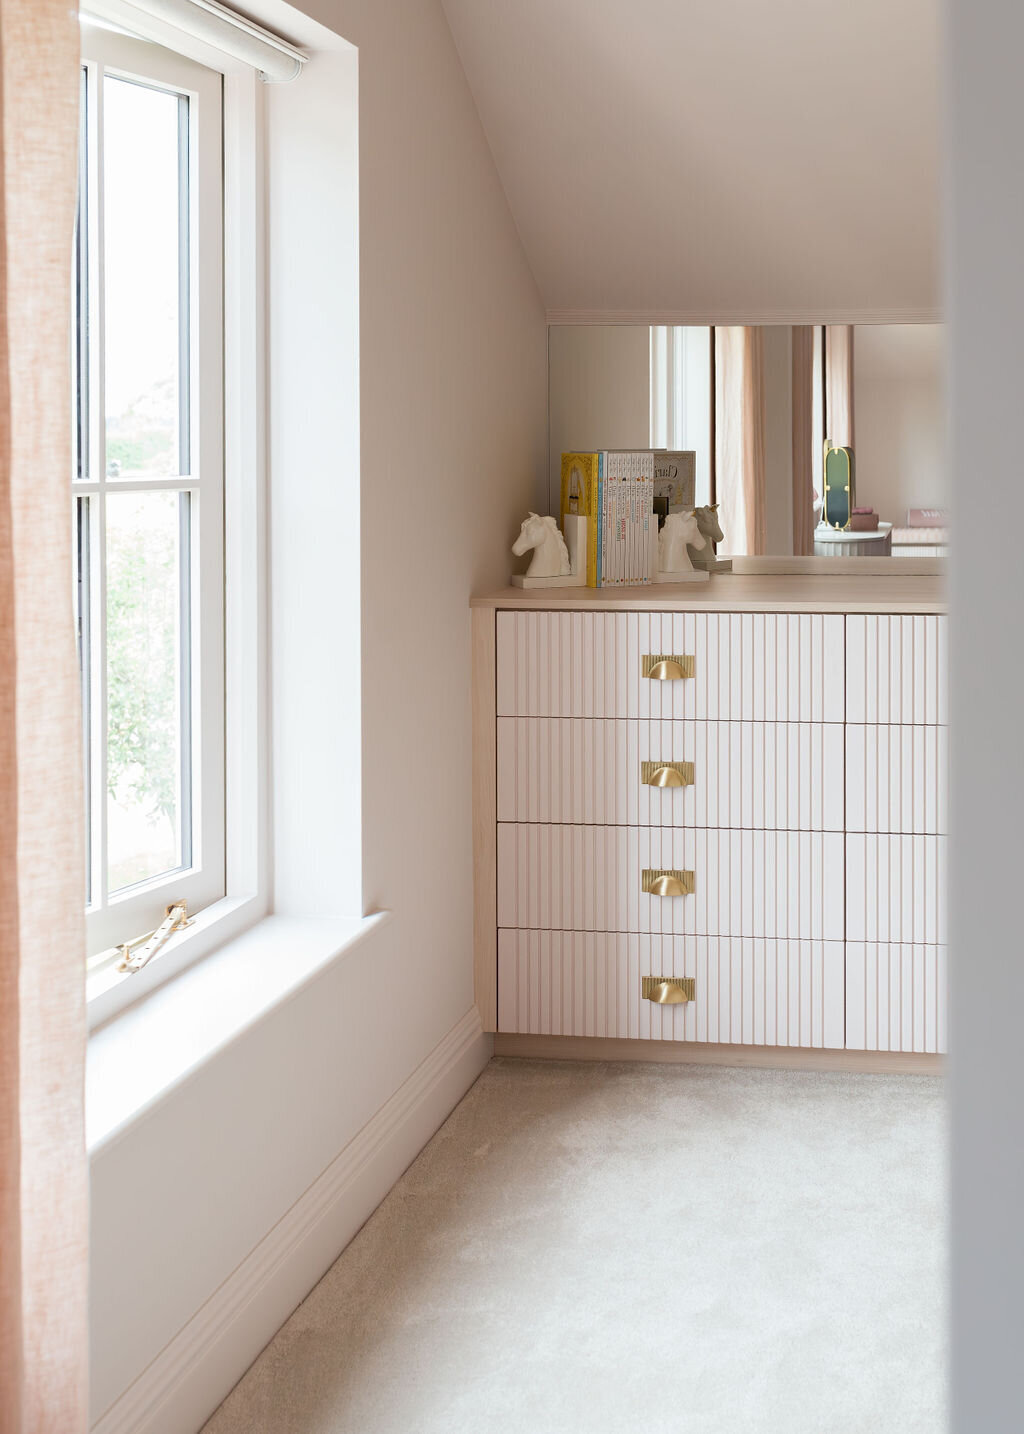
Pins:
x: 926, y: 534
x: 614, y: 490
x: 927, y: 518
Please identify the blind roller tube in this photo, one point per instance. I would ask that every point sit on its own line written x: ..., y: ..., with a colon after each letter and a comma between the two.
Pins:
x: 231, y: 33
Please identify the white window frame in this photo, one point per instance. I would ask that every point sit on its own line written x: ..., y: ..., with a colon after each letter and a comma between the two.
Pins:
x: 119, y: 917
x: 244, y: 897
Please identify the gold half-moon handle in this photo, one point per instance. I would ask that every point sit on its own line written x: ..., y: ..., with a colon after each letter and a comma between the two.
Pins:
x: 668, y: 990
x: 666, y: 666
x: 666, y: 671
x: 666, y: 774
x: 667, y: 883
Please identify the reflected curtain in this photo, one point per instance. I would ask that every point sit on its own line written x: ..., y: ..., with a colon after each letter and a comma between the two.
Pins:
x: 740, y: 439
x: 43, y: 1171
x: 806, y: 463
x: 839, y: 385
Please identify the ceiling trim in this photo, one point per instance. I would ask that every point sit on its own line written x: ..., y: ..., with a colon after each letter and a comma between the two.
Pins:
x: 753, y: 317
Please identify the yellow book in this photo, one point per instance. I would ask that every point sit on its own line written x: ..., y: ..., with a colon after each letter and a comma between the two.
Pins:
x: 580, y: 495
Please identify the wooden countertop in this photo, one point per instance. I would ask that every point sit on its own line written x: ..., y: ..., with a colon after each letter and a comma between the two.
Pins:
x: 740, y: 592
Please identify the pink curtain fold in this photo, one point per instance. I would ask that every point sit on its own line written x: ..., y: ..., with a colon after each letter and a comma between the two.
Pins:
x: 43, y: 1170
x: 806, y: 462
x: 839, y: 385
x: 740, y: 439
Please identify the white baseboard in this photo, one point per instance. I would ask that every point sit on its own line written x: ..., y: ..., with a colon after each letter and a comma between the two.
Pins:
x: 706, y: 1053
x: 182, y: 1387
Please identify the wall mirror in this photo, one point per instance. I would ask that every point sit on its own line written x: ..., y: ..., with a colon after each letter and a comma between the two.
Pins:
x: 756, y: 406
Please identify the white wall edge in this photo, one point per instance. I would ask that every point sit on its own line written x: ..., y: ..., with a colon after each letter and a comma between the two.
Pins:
x: 743, y: 316
x: 186, y: 1382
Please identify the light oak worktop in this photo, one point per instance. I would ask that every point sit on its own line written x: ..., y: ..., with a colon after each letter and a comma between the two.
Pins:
x: 740, y: 592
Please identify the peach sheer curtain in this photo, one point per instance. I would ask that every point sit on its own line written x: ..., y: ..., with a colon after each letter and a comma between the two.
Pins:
x: 839, y: 384
x: 806, y: 462
x: 43, y: 1171
x: 740, y: 439
x: 822, y: 408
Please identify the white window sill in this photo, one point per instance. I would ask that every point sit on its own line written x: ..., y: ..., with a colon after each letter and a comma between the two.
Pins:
x: 108, y: 991
x: 156, y: 1044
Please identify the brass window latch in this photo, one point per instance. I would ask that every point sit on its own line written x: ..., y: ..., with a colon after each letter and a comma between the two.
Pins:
x: 135, y: 954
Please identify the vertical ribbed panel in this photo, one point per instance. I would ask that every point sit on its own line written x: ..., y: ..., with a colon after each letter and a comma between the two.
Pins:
x: 896, y: 997
x: 748, y: 992
x: 748, y: 883
x: 764, y: 667
x: 896, y: 669
x: 896, y: 779
x: 895, y: 889
x: 781, y: 775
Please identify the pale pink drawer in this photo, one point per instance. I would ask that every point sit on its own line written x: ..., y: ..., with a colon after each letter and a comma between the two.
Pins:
x: 897, y: 669
x: 897, y: 997
x: 746, y: 883
x: 897, y: 779
x: 764, y: 667
x: 746, y: 991
x: 775, y: 775
x: 895, y: 889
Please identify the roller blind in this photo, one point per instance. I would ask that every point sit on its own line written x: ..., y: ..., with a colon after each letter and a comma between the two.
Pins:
x: 225, y: 30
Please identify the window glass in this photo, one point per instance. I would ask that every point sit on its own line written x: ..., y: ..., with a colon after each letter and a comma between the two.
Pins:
x: 145, y: 263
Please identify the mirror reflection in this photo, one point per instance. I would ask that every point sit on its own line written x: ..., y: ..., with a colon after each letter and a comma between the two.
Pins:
x: 756, y: 406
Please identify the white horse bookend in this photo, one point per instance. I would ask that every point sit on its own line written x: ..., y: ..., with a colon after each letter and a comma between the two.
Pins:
x: 550, y: 555
x: 551, y: 565
x: 678, y: 532
x: 702, y: 554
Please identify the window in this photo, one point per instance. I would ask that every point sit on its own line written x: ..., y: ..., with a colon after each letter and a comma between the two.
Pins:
x: 682, y: 397
x: 148, y: 482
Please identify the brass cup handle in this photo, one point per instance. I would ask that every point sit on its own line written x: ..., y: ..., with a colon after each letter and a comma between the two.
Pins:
x: 668, y: 990
x: 666, y: 666
x: 666, y: 774
x: 667, y: 886
x: 667, y: 883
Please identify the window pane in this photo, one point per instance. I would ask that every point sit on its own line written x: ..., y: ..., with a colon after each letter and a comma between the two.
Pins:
x: 147, y: 669
x: 144, y: 299
x: 681, y: 398
x: 83, y: 628
x: 80, y: 296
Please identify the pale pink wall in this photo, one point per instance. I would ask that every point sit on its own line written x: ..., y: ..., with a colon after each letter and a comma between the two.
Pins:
x: 453, y: 417
x: 902, y: 441
x: 733, y: 162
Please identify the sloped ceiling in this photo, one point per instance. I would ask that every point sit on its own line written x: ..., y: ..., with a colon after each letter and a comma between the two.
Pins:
x: 762, y: 159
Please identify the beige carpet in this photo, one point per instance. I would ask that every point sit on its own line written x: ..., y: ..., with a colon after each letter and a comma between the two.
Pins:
x: 603, y: 1249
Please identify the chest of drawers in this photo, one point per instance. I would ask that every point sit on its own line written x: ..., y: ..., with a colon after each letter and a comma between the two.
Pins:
x: 711, y: 823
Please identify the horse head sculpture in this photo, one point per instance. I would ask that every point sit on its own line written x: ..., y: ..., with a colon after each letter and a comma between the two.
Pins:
x: 551, y: 556
x: 702, y: 554
x: 678, y: 532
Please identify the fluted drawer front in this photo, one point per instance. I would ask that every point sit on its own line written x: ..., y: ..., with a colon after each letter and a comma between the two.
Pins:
x: 896, y: 669
x: 747, y: 883
x: 895, y: 889
x: 747, y: 991
x: 781, y: 667
x: 784, y: 775
x: 896, y: 997
x: 896, y: 779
